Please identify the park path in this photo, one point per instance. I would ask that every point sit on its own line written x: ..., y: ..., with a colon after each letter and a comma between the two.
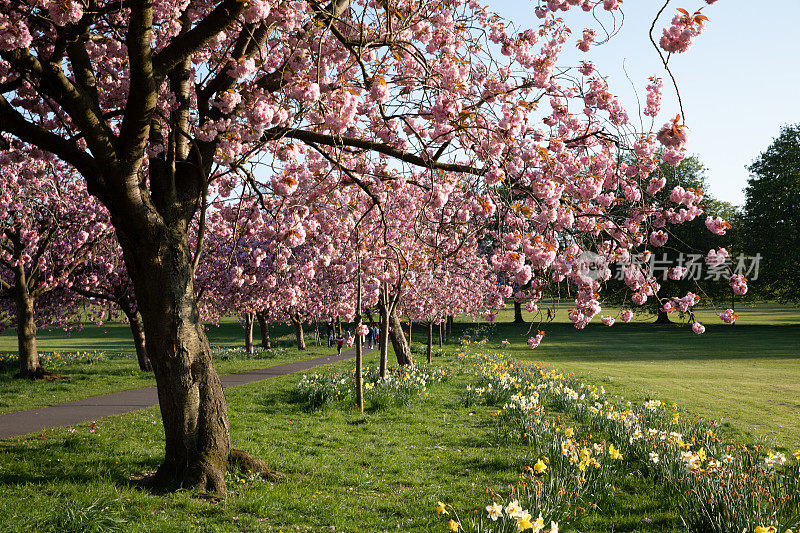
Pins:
x: 115, y: 403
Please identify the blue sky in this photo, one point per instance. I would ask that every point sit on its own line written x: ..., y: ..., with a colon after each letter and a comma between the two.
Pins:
x: 739, y: 83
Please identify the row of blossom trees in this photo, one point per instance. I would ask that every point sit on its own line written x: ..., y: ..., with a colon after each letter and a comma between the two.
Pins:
x: 345, y: 153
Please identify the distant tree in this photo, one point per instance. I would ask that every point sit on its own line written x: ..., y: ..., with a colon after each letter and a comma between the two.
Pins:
x: 771, y: 216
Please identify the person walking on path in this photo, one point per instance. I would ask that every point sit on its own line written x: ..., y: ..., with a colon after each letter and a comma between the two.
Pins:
x: 339, y: 344
x: 370, y: 337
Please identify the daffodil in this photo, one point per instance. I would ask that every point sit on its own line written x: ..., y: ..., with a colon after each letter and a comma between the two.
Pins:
x: 452, y: 525
x: 495, y: 511
x: 540, y: 467
x: 613, y: 453
x: 440, y: 508
x: 513, y: 509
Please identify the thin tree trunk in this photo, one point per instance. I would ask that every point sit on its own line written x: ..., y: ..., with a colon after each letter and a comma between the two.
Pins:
x: 518, y: 313
x: 410, y: 327
x: 398, y: 338
x: 430, y: 340
x: 248, y: 332
x: 440, y: 335
x: 29, y: 365
x: 383, y: 341
x: 137, y: 331
x: 359, y: 376
x: 448, y: 327
x: 298, y: 332
x: 263, y: 326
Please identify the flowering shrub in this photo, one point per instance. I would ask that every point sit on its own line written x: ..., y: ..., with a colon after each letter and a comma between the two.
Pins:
x: 399, y: 386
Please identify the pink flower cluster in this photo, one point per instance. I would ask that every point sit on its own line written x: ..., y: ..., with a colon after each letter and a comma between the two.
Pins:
x: 728, y: 316
x: 653, y: 97
x: 534, y: 341
x: 680, y: 35
x: 717, y: 225
x: 739, y: 284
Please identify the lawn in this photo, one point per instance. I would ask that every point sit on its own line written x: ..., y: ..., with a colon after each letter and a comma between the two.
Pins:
x: 340, y: 471
x: 746, y: 376
x: 386, y: 470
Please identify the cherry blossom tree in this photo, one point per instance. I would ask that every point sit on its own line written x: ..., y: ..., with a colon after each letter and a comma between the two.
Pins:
x: 158, y: 104
x: 49, y: 227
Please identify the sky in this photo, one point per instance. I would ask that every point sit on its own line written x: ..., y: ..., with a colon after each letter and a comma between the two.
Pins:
x: 739, y: 83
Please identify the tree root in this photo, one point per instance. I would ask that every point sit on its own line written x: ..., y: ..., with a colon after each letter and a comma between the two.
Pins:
x: 248, y: 463
x: 40, y: 374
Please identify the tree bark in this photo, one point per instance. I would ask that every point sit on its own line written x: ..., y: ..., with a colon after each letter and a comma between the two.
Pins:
x: 383, y: 341
x: 518, y: 313
x: 448, y: 327
x: 398, y: 338
x: 359, y: 354
x: 263, y: 326
x: 430, y: 340
x: 139, y: 342
x: 440, y: 335
x: 298, y: 332
x: 29, y: 365
x: 249, y: 318
x: 193, y: 406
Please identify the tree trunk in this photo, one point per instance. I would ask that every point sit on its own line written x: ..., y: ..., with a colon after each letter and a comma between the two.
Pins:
x: 518, y: 313
x: 383, y: 341
x: 430, y: 340
x: 663, y: 317
x: 399, y: 343
x: 448, y: 330
x: 263, y: 326
x: 29, y: 365
x: 139, y: 342
x: 298, y: 332
x: 193, y: 406
x: 440, y: 335
x: 248, y: 332
x: 359, y: 354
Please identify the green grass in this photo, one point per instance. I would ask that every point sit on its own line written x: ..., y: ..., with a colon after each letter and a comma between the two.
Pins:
x: 385, y: 471
x: 341, y: 471
x: 107, y: 362
x: 746, y: 376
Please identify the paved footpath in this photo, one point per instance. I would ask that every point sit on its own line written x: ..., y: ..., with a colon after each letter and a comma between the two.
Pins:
x: 92, y: 408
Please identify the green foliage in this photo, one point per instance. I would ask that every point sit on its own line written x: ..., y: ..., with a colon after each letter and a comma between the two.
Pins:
x: 771, y: 216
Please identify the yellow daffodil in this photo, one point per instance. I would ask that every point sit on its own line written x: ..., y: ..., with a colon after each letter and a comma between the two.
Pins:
x: 440, y: 509
x: 613, y: 453
x: 452, y: 525
x: 553, y: 527
x: 569, y: 432
x: 540, y: 467
x: 524, y: 521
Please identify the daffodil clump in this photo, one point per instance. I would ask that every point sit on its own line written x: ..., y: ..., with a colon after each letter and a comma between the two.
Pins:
x: 57, y: 359
x: 718, y: 488
x: 399, y: 387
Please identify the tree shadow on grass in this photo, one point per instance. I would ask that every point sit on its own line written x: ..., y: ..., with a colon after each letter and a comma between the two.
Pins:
x: 67, y: 460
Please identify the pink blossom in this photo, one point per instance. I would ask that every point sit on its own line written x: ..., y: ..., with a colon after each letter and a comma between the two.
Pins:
x: 626, y: 315
x: 659, y: 238
x: 717, y: 225
x: 698, y: 328
x: 673, y: 134
x: 534, y: 341
x: 739, y: 284
x: 728, y: 316
x: 607, y: 320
